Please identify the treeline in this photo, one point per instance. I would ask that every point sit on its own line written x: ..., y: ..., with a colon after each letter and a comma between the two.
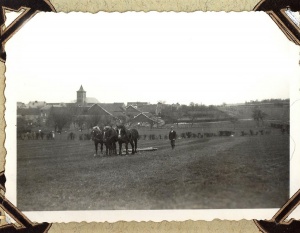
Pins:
x: 59, y: 118
x: 271, y: 101
x: 64, y: 117
x: 192, y: 113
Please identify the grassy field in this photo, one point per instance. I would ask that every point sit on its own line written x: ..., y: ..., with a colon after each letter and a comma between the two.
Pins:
x: 217, y: 172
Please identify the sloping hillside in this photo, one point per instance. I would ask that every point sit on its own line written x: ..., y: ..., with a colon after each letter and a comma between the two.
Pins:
x: 274, y: 111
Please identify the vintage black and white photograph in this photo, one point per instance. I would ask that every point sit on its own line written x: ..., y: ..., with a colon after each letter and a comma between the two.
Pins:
x: 156, y: 111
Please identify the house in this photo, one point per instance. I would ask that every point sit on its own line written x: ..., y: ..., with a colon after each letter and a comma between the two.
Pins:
x: 116, y: 109
x: 136, y: 104
x: 146, y: 119
x: 36, y: 104
x: 95, y: 109
x: 21, y: 105
x: 132, y: 111
x: 56, y: 105
x: 148, y: 108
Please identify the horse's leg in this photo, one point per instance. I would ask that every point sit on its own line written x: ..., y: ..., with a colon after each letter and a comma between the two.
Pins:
x: 96, y: 148
x: 106, y: 148
x: 126, y: 146
x: 135, y: 144
x: 101, y: 143
x: 115, y: 148
x: 132, y: 146
x: 120, y: 148
x: 112, y: 148
x: 109, y: 149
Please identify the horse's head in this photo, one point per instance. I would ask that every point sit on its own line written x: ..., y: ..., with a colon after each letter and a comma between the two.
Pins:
x: 96, y: 132
x: 106, y: 133
x: 121, y: 131
x: 93, y: 134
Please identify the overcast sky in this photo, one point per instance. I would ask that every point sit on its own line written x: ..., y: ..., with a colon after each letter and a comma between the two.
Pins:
x: 207, y: 58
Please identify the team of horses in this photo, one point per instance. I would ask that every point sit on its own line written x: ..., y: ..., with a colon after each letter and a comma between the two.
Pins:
x: 110, y: 136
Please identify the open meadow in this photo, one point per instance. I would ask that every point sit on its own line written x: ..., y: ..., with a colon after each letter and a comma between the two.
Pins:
x: 209, y: 172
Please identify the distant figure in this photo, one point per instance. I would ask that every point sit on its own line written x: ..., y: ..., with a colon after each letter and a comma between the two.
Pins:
x: 172, y: 137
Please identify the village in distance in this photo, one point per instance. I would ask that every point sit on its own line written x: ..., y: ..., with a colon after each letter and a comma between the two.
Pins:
x: 85, y: 113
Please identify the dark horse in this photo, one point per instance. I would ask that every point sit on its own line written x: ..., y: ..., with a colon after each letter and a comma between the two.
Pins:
x: 127, y: 136
x: 97, y: 137
x: 110, y: 138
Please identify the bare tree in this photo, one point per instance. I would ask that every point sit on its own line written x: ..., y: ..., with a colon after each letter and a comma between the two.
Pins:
x: 100, y: 120
x: 80, y: 120
x: 22, y: 125
x: 58, y: 118
x: 93, y: 120
x: 258, y: 115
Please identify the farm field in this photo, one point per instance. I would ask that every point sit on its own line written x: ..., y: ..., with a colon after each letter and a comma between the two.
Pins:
x: 217, y: 172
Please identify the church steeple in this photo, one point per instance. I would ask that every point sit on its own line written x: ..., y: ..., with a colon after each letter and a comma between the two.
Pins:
x: 81, y: 96
x: 81, y: 88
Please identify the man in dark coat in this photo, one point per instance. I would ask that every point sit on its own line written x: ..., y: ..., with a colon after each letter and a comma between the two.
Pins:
x: 172, y: 137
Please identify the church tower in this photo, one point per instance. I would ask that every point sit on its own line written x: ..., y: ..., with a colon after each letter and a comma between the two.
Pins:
x: 81, y: 96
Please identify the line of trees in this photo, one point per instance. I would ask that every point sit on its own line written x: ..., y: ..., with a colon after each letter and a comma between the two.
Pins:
x: 60, y: 118
x: 192, y: 113
x: 195, y: 112
x: 274, y: 101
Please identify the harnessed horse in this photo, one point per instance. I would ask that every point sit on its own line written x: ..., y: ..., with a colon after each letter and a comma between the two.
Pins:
x: 97, y: 137
x: 110, y: 139
x: 127, y: 136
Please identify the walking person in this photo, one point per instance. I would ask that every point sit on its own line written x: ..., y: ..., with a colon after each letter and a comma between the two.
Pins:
x: 172, y: 137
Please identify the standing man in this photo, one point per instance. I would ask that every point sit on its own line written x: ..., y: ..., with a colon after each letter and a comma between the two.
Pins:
x: 172, y: 137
